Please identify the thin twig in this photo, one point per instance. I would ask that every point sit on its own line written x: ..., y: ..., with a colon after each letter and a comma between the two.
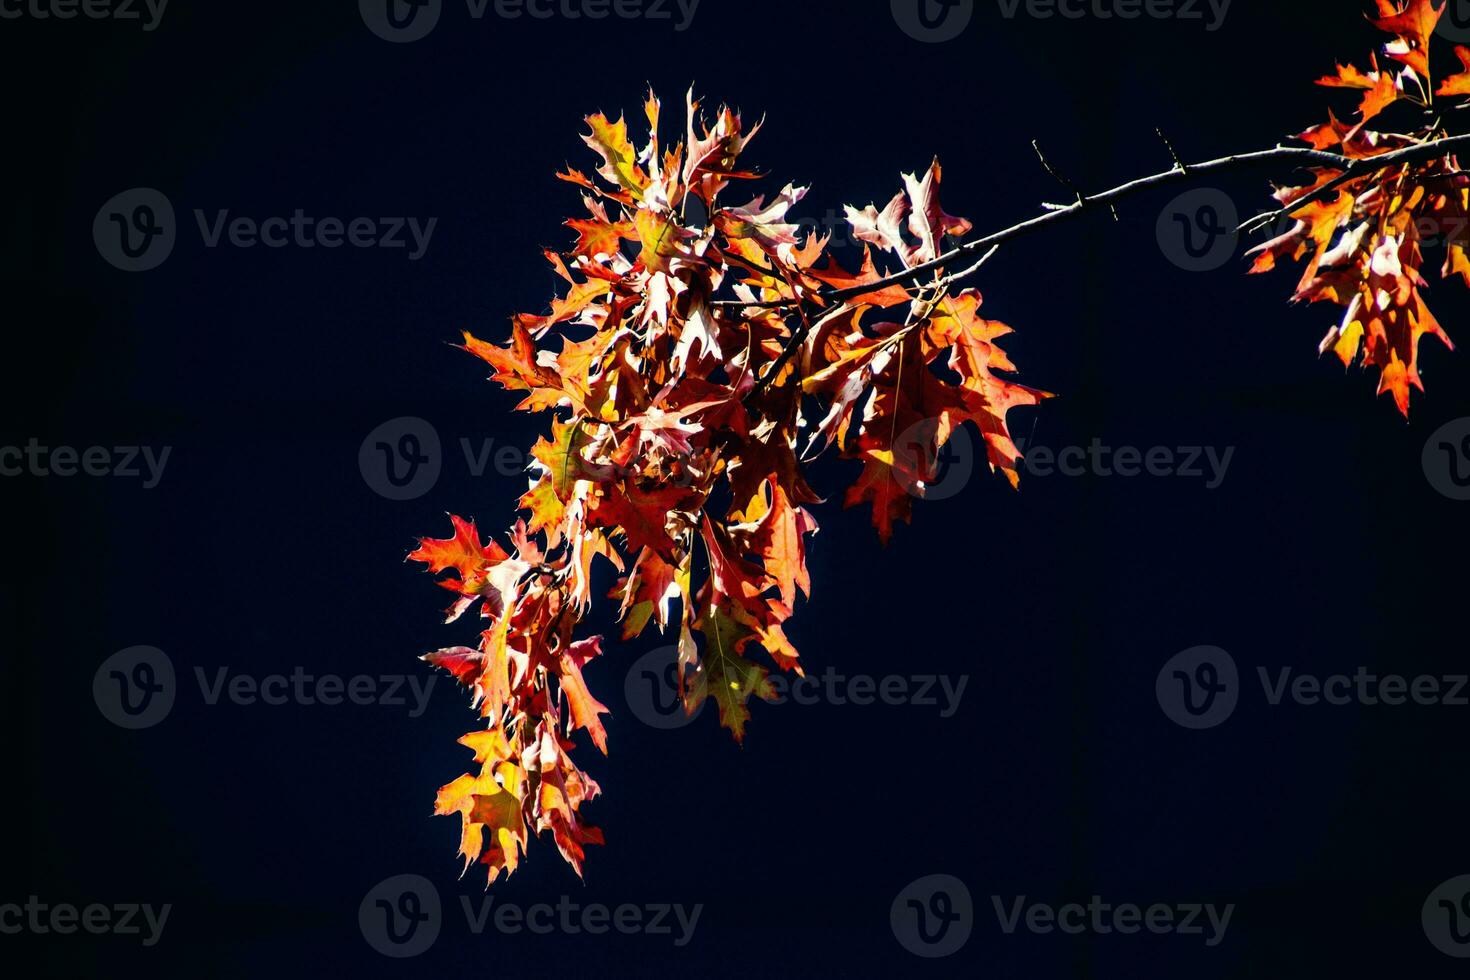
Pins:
x: 1178, y: 163
x: 1297, y: 156
x: 940, y: 290
x: 1081, y: 198
x: 949, y: 280
x: 792, y: 346
x: 1358, y: 168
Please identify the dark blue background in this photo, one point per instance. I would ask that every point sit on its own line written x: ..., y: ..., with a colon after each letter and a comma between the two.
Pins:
x: 263, y: 549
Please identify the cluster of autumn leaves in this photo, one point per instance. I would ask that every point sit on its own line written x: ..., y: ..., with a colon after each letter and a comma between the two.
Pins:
x: 1362, y: 239
x: 677, y: 444
x: 697, y: 360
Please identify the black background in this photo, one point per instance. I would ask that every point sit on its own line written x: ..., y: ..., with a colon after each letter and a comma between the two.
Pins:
x: 263, y: 549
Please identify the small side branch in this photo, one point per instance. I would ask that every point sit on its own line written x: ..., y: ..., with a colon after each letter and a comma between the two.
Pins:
x: 1179, y: 164
x: 1081, y: 198
x: 1279, y: 156
x: 1036, y: 145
